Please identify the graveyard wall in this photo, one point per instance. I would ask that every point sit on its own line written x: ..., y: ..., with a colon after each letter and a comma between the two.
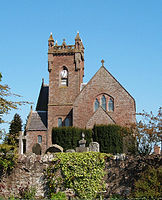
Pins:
x: 119, y: 176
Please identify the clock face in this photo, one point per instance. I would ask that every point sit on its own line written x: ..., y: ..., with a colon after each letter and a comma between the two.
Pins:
x: 64, y: 73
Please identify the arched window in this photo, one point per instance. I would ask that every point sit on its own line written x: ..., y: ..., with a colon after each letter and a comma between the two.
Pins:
x: 59, y: 122
x: 96, y: 104
x: 103, y: 102
x: 111, y: 105
x: 39, y: 139
x: 67, y: 122
x: 64, y: 76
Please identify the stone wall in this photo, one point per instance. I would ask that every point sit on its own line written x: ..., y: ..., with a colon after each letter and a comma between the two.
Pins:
x: 119, y: 177
x: 103, y: 83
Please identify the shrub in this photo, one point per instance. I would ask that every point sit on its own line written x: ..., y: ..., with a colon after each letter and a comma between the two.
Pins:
x: 149, y: 185
x: 81, y: 172
x: 58, y: 196
x: 68, y: 137
x: 110, y: 137
x: 27, y: 192
x: 8, y: 158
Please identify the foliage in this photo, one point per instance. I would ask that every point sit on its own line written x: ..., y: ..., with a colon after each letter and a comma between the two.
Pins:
x: 68, y: 137
x: 27, y: 192
x: 116, y: 197
x: 58, y: 196
x: 148, y: 131
x: 15, y: 127
x: 8, y: 158
x: 5, y: 103
x: 149, y: 185
x: 81, y: 172
x: 110, y: 137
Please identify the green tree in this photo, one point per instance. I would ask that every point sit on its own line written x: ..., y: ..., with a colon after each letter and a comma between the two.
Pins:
x: 15, y: 127
x: 6, y: 104
x: 148, y: 131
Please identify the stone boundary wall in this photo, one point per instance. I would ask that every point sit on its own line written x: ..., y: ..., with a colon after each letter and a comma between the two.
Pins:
x: 121, y: 171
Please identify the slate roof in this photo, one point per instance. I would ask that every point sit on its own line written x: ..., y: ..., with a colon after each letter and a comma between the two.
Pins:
x: 37, y: 121
x: 42, y: 103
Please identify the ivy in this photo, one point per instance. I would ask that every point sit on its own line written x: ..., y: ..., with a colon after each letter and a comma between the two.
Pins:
x: 81, y: 172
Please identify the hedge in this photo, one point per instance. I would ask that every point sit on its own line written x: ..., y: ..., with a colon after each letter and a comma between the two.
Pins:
x: 110, y: 138
x: 68, y: 137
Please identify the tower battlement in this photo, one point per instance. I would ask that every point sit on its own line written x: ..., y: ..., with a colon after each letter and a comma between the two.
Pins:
x: 54, y: 48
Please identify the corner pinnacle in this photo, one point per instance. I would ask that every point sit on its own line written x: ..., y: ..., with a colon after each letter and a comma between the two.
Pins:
x: 51, y: 38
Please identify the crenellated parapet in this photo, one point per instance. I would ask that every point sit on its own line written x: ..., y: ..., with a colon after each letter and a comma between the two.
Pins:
x: 64, y: 49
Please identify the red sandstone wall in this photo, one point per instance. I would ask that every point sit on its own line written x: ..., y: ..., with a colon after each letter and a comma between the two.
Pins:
x: 103, y: 83
x: 61, y: 98
x: 32, y: 138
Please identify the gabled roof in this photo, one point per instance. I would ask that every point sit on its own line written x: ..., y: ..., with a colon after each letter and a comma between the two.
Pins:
x: 37, y: 121
x: 103, y: 68
x: 104, y: 117
x: 42, y: 103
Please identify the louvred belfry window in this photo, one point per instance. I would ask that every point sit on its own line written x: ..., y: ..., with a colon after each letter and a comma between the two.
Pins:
x: 64, y: 76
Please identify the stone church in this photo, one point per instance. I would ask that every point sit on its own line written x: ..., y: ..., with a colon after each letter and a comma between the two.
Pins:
x: 67, y: 101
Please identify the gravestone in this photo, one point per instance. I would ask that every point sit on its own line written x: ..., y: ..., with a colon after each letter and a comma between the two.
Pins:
x: 37, y: 149
x: 54, y: 149
x: 94, y: 146
x: 82, y: 147
x: 70, y: 151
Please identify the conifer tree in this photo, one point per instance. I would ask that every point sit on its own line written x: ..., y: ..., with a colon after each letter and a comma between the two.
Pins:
x: 15, y: 127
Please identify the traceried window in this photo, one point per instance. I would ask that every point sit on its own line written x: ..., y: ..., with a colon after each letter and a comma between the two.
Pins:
x: 64, y: 76
x: 59, y: 122
x: 103, y: 102
x: 39, y: 139
x: 111, y: 105
x: 96, y: 105
x: 67, y: 122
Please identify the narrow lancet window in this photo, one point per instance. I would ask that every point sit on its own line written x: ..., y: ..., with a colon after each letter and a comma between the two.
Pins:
x: 39, y: 139
x: 67, y: 122
x: 111, y: 105
x: 59, y: 122
x: 96, y: 106
x: 103, y: 102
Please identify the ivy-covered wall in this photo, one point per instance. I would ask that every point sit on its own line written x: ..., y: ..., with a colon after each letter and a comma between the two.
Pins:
x: 119, y: 175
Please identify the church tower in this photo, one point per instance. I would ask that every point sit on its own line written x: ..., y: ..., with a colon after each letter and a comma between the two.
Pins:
x: 66, y: 71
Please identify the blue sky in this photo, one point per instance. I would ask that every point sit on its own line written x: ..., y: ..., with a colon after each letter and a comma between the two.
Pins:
x: 127, y: 34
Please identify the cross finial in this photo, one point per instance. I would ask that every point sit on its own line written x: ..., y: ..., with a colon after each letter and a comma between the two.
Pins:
x: 102, y: 61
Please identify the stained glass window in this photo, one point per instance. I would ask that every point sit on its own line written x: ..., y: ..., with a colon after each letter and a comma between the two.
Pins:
x: 103, y: 102
x: 96, y: 105
x: 111, y: 105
